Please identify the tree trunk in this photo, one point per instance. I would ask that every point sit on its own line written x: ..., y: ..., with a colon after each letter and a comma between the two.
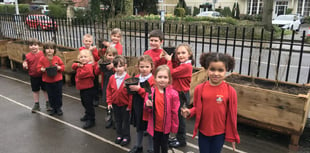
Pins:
x: 267, y: 14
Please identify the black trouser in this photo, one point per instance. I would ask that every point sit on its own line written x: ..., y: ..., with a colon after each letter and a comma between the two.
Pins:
x: 121, y: 121
x: 96, y: 88
x: 54, y: 92
x: 87, y: 96
x: 160, y: 142
x: 181, y: 135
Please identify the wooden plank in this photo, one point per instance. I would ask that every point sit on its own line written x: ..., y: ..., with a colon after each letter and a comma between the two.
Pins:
x: 272, y: 107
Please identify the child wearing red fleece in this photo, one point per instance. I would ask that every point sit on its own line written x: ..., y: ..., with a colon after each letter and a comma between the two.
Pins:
x: 215, y: 105
x: 87, y: 42
x: 181, y: 79
x: 156, y: 40
x: 119, y: 99
x: 53, y: 83
x: 30, y: 64
x: 84, y: 80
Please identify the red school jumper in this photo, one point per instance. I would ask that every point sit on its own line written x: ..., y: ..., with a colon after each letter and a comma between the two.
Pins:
x: 94, y: 52
x: 45, y: 62
x: 32, y: 60
x: 119, y: 96
x: 230, y: 125
x: 154, y: 53
x: 84, y: 78
x: 181, y: 76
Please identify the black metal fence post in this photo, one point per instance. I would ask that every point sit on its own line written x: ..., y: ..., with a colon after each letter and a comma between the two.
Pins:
x: 146, y: 34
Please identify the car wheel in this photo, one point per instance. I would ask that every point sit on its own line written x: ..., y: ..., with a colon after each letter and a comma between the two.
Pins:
x: 298, y: 28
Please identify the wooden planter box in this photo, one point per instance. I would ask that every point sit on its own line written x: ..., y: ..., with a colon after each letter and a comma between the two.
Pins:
x: 3, y: 48
x: 199, y: 76
x: 16, y: 49
x: 273, y: 110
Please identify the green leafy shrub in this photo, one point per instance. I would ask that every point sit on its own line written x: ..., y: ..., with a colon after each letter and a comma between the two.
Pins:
x: 307, y: 19
x: 226, y: 12
x: 289, y: 11
x: 57, y: 10
x: 10, y: 9
x: 179, y: 12
x: 235, y: 11
x: 196, y: 11
x: 256, y: 17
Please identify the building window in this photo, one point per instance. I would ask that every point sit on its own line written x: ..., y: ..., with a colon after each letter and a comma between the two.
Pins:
x: 306, y: 10
x: 281, y: 7
x: 255, y: 7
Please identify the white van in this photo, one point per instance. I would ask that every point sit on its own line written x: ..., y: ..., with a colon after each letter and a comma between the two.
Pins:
x: 45, y: 9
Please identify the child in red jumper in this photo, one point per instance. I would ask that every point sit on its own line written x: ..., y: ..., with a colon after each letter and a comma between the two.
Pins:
x: 106, y: 73
x: 156, y: 40
x: 54, y: 82
x: 181, y: 79
x: 138, y: 116
x: 119, y: 99
x: 30, y: 63
x: 84, y: 80
x: 88, y: 41
x: 162, y: 107
x: 116, y: 36
x: 215, y: 105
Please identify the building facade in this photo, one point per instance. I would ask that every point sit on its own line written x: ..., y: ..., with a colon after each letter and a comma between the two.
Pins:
x: 252, y: 7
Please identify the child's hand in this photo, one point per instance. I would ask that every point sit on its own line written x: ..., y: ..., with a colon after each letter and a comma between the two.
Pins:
x: 25, y: 65
x: 58, y: 67
x: 149, y: 103
x: 134, y: 87
x: 185, y: 112
x: 105, y: 43
x: 91, y: 48
x: 110, y: 107
x: 42, y: 69
x: 127, y: 109
x: 110, y: 66
x: 80, y: 65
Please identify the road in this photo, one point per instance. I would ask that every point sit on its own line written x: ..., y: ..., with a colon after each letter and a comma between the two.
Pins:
x: 24, y: 132
x: 248, y: 58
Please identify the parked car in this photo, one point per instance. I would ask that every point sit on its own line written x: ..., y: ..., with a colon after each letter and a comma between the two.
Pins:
x: 290, y: 21
x: 209, y: 14
x: 40, y: 22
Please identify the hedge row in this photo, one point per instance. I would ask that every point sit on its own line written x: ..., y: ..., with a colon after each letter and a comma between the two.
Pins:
x: 10, y: 9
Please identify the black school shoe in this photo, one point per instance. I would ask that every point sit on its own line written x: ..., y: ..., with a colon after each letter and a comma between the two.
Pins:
x: 125, y: 141
x: 118, y: 140
x: 83, y: 119
x: 59, y: 112
x: 52, y: 112
x: 88, y: 124
x: 136, y: 149
x: 177, y: 144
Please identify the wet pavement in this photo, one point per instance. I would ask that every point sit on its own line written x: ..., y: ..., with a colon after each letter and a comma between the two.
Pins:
x: 24, y: 132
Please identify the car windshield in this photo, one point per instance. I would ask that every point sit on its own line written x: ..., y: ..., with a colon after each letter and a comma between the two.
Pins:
x: 285, y: 17
x: 44, y: 18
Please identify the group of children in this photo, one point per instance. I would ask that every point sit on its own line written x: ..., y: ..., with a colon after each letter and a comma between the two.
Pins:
x: 158, y: 104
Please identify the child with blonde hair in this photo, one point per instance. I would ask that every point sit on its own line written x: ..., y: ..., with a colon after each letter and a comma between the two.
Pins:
x: 87, y: 42
x: 162, y: 106
x: 116, y: 36
x: 84, y: 79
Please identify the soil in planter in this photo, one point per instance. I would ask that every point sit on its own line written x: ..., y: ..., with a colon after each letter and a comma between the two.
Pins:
x: 265, y: 84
